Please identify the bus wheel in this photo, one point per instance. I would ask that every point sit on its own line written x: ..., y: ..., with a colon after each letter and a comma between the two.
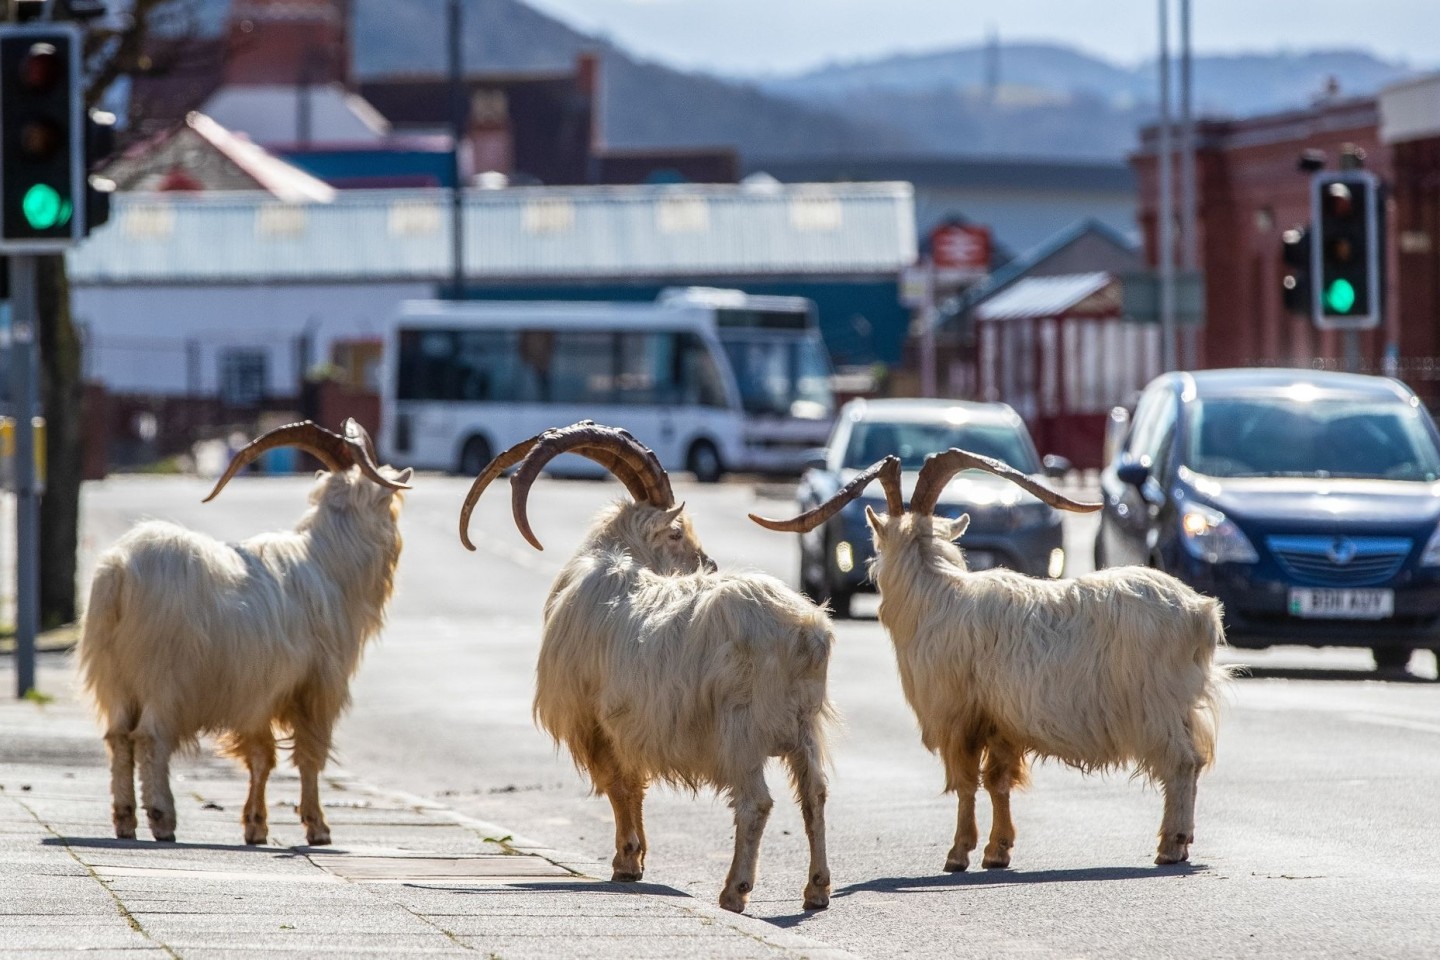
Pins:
x: 474, y: 456
x: 703, y: 460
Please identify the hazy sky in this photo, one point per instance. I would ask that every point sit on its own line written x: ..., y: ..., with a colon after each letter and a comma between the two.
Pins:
x: 781, y: 36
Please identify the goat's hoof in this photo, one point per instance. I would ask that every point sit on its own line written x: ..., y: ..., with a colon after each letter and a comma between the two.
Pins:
x: 162, y: 837
x: 256, y: 839
x: 318, y: 839
x: 123, y: 833
x: 1167, y: 858
x: 734, y: 900
x: 996, y: 861
x: 817, y: 899
x: 626, y: 876
x: 957, y: 865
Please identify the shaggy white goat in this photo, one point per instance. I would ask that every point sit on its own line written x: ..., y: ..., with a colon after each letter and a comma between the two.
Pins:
x: 186, y: 635
x: 655, y: 667
x: 1101, y: 671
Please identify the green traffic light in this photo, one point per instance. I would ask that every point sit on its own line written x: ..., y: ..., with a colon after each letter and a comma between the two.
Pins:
x: 44, y: 208
x: 1340, y: 296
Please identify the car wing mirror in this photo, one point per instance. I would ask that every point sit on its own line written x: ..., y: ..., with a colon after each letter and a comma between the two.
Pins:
x: 816, y: 459
x: 1056, y: 466
x: 1134, y: 472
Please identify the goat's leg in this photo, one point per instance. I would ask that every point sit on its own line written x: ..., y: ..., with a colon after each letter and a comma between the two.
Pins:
x: 312, y: 749
x: 809, y: 777
x: 259, y: 753
x: 627, y: 799
x: 120, y: 744
x: 153, y: 747
x: 962, y: 775
x: 1177, y: 827
x: 1004, y: 769
x: 751, y: 800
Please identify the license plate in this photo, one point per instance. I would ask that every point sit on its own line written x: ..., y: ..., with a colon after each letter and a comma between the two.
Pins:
x: 1342, y: 604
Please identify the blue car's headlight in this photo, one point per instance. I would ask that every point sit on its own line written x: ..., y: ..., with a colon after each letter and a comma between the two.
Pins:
x: 1210, y: 536
x: 1430, y: 557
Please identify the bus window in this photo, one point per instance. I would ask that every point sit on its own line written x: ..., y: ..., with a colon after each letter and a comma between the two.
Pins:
x: 813, y: 397
x: 646, y: 364
x: 582, y: 368
x: 700, y: 383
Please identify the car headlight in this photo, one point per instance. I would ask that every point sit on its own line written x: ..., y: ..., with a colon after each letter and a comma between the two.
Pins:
x: 1431, y: 555
x: 1208, y: 535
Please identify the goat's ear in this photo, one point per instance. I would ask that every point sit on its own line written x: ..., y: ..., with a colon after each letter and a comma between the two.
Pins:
x: 877, y: 522
x: 404, y: 475
x: 668, y: 517
x: 959, y: 525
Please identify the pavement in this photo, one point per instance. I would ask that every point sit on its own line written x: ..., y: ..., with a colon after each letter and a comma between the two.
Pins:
x: 405, y: 876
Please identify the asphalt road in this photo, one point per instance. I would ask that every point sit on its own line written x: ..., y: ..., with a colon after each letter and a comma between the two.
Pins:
x: 1316, y: 831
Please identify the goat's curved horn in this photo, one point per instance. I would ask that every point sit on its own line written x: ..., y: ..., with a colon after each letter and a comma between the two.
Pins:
x: 492, y: 470
x: 940, y: 467
x: 331, y: 449
x: 362, y: 453
x: 635, y: 464
x: 888, y: 472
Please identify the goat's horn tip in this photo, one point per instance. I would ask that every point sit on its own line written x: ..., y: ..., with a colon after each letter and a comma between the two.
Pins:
x: 767, y: 523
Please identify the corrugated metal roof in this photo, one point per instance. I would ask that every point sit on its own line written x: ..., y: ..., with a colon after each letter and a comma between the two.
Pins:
x: 1036, y: 297
x: 522, y: 233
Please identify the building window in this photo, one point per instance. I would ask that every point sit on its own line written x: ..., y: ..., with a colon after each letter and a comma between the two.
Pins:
x: 243, y: 377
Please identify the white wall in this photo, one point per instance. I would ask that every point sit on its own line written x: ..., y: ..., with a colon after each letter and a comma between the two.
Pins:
x: 137, y: 338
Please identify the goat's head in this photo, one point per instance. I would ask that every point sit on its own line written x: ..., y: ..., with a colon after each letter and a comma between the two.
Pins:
x: 920, y: 523
x: 653, y: 528
x: 351, y: 474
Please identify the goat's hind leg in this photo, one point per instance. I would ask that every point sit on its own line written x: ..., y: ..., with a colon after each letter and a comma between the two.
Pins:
x: 962, y: 775
x: 258, y: 752
x: 751, y: 800
x: 809, y: 778
x: 1177, y: 827
x: 1004, y: 770
x: 627, y: 799
x: 120, y: 743
x: 312, y: 749
x: 153, y: 747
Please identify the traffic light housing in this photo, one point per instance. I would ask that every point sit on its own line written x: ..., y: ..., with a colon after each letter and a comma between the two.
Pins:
x: 1345, y: 250
x: 48, y: 141
x: 1295, y: 281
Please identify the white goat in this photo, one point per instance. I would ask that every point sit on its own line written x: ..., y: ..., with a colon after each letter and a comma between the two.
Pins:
x: 1104, y: 670
x: 186, y: 635
x: 655, y: 667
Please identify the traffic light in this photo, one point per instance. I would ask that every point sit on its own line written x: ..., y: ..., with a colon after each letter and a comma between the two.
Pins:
x: 44, y: 129
x: 1345, y: 250
x: 1295, y: 283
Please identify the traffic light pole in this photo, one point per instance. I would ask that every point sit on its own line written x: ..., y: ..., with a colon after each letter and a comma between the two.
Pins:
x: 24, y: 325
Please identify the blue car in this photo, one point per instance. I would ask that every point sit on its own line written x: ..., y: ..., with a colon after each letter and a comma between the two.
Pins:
x: 1008, y: 527
x: 1307, y: 502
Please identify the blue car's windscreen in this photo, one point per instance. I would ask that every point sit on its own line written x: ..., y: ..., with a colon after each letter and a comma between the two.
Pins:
x: 913, y: 442
x: 1277, y: 437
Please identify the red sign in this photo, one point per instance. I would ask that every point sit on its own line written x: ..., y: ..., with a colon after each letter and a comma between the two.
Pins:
x: 960, y: 247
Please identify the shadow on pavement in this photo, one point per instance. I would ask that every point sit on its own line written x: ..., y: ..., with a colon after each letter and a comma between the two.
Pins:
x: 562, y: 886
x: 995, y: 878
x: 1243, y: 672
x: 110, y: 843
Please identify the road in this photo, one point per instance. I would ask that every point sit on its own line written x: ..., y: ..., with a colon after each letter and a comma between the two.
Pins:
x: 1316, y: 831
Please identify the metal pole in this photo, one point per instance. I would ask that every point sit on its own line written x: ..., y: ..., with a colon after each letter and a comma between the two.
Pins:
x: 1166, y: 239
x: 24, y: 379
x: 927, y: 335
x: 1189, y: 211
x: 457, y: 133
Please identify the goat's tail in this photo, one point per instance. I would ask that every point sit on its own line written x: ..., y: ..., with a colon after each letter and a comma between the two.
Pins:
x: 1205, y: 713
x: 102, y: 619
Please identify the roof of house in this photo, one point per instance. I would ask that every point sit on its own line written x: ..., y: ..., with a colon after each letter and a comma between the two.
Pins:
x: 523, y: 233
x: 1020, y: 173
x: 1075, y: 294
x: 201, y: 154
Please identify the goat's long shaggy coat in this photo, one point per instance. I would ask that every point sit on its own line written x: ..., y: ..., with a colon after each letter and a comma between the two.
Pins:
x: 647, y: 673
x: 1103, y: 671
x: 185, y: 635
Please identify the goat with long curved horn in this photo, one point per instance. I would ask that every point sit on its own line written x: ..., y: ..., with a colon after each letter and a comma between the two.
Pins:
x: 888, y: 473
x: 632, y: 463
x: 336, y: 452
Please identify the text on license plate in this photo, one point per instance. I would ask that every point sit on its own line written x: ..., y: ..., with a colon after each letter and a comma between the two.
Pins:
x: 1342, y: 604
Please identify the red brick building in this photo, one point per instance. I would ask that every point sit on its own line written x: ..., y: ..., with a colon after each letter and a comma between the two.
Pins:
x: 1249, y: 191
x: 1410, y: 129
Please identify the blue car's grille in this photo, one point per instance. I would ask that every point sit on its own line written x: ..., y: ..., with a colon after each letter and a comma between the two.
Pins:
x: 1340, y: 561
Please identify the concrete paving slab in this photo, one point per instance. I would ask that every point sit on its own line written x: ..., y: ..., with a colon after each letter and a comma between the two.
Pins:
x: 399, y: 869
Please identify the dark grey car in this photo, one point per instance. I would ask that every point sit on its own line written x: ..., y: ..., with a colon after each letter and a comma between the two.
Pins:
x: 1008, y: 527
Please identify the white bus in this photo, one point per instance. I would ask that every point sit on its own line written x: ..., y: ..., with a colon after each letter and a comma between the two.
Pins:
x: 464, y: 380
